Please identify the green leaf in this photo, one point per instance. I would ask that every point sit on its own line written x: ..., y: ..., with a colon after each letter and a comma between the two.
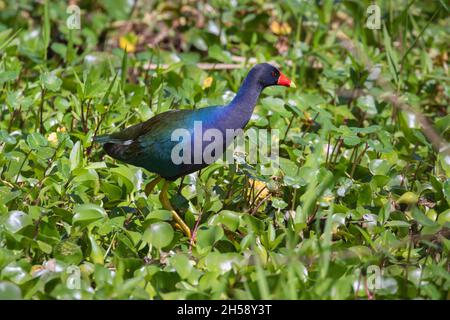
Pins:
x: 45, y: 247
x: 16, y: 272
x: 379, y: 167
x: 17, y: 220
x: 159, y: 234
x: 36, y: 141
x: 228, y: 218
x: 444, y: 217
x: 130, y: 176
x: 207, y: 237
x: 46, y: 28
x: 97, y: 252
x: 443, y: 124
x: 159, y: 215
x: 446, y: 190
x: 421, y: 218
x: 391, y: 55
x: 76, y: 156
x: 217, y: 53
x: 7, y: 138
x: 68, y: 252
x: 9, y: 76
x: 352, y: 140
x: 279, y: 203
x: 398, y: 223
x: 9, y: 291
x: 88, y: 213
x: 221, y: 262
x: 182, y: 265
x: 276, y: 105
x: 7, y: 195
x: 253, y: 224
x: 367, y: 104
x: 50, y: 81
x: 408, y: 198
x: 6, y: 39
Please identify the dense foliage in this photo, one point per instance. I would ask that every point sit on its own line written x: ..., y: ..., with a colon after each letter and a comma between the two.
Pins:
x: 359, y: 208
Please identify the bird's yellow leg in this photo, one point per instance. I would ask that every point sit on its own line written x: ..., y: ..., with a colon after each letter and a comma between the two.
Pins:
x: 151, y: 185
x: 166, y: 204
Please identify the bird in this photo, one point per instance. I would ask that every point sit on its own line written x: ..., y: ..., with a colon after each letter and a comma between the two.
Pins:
x: 149, y: 144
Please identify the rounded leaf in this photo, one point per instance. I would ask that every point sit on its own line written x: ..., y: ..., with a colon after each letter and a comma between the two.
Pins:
x: 36, y: 140
x: 88, y: 213
x: 379, y: 167
x: 182, y: 265
x: 68, y: 252
x: 159, y: 215
x: 207, y: 236
x: 444, y: 217
x: 229, y: 218
x: 17, y: 220
x: 50, y: 81
x: 408, y: 198
x: 9, y: 291
x: 159, y: 234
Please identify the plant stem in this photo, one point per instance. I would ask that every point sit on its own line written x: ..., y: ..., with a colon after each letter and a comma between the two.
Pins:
x: 41, y: 111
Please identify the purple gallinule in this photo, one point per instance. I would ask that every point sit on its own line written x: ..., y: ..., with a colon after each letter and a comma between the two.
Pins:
x: 149, y: 144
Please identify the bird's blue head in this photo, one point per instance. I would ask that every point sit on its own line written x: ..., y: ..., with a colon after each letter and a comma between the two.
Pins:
x: 267, y: 75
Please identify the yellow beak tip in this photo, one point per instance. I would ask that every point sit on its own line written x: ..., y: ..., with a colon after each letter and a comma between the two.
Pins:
x: 292, y: 85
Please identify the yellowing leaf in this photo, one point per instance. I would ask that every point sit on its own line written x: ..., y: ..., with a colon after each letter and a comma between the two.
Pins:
x: 408, y: 198
x: 280, y: 28
x: 128, y: 42
x: 207, y: 82
x: 260, y: 191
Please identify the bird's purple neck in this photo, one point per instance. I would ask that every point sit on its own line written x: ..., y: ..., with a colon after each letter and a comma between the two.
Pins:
x: 240, y: 109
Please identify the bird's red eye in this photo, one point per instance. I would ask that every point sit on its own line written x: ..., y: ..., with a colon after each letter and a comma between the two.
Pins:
x: 273, y: 73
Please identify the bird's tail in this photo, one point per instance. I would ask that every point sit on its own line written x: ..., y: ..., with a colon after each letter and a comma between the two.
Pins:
x: 107, y: 138
x: 102, y: 139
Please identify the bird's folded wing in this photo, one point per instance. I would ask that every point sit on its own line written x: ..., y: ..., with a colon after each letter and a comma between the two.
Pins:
x: 130, y: 134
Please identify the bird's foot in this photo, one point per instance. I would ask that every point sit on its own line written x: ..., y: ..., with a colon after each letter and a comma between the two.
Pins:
x: 179, y: 223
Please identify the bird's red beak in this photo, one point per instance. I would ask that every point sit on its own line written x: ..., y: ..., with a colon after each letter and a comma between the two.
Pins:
x: 284, y: 81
